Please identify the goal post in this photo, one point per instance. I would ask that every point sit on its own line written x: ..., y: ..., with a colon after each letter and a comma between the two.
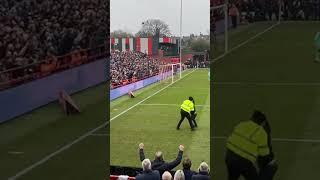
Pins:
x: 176, y: 70
x: 223, y: 10
x: 170, y: 72
x: 232, y: 26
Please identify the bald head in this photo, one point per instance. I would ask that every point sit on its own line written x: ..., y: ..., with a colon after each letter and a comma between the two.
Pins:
x: 166, y: 176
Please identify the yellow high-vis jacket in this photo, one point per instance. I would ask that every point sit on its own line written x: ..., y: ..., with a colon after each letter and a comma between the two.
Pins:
x: 249, y: 140
x: 187, y: 106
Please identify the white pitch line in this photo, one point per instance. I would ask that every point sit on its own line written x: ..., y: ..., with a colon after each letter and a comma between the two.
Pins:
x: 224, y: 138
x: 148, y: 97
x: 15, y: 152
x: 268, y: 83
x: 190, y: 88
x: 245, y: 42
x: 200, y: 105
x: 281, y: 139
x: 99, y: 134
x: 48, y: 157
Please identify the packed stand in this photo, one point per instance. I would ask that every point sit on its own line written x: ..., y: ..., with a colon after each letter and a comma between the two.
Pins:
x: 32, y: 30
x: 261, y: 10
x: 129, y: 66
x: 159, y: 168
x: 248, y: 11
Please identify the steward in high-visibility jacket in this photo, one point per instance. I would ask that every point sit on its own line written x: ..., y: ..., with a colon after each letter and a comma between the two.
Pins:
x: 186, y: 108
x: 247, y: 144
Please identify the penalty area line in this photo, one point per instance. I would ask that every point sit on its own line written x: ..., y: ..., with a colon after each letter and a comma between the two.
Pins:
x: 295, y: 140
x: 200, y: 105
x: 244, y: 43
x: 268, y: 83
x: 15, y: 152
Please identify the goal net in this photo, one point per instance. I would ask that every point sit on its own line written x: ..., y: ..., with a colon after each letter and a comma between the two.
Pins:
x: 171, y: 72
x: 234, y: 23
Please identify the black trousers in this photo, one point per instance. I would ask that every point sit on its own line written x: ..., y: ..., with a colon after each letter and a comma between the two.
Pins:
x: 187, y: 115
x: 268, y: 172
x: 237, y: 166
x: 193, y: 118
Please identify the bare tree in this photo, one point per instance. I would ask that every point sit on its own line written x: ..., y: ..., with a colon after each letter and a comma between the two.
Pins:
x: 120, y: 33
x: 200, y: 45
x: 151, y: 26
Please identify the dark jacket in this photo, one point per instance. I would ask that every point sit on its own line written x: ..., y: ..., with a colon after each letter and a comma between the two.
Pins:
x: 148, y: 175
x: 264, y: 160
x: 188, y: 174
x: 201, y: 176
x: 161, y: 165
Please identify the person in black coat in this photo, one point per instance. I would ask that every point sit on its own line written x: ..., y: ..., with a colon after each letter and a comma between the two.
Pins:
x: 268, y: 165
x: 188, y: 173
x: 158, y: 163
x: 193, y: 113
x: 148, y: 173
x: 203, y: 172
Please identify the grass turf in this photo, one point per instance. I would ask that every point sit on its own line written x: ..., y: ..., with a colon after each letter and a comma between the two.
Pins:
x: 154, y: 121
x: 35, y: 135
x: 274, y: 73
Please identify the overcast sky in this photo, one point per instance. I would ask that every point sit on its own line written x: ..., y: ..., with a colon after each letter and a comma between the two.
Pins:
x: 128, y: 15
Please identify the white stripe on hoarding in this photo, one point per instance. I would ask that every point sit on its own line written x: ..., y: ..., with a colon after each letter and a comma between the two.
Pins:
x: 131, y: 44
x: 144, y: 45
x: 123, y: 44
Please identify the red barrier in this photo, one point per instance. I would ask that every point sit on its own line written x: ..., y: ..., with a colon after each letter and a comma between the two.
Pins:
x: 19, y: 75
x: 128, y: 81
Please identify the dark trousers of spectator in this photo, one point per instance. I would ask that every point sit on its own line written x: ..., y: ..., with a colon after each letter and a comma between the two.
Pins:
x: 234, y: 21
x: 193, y: 117
x: 187, y: 115
x: 237, y: 166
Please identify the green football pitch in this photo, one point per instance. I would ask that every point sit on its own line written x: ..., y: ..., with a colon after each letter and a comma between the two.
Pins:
x: 275, y: 73
x: 46, y: 144
x: 152, y: 117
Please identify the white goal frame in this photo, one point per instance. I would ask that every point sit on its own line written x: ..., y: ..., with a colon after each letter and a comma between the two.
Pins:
x: 226, y: 21
x: 226, y: 16
x: 165, y: 68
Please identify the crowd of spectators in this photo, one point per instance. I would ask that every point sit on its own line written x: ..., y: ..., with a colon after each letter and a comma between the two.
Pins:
x: 160, y: 169
x: 301, y: 9
x: 260, y: 10
x: 32, y: 30
x: 128, y: 66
